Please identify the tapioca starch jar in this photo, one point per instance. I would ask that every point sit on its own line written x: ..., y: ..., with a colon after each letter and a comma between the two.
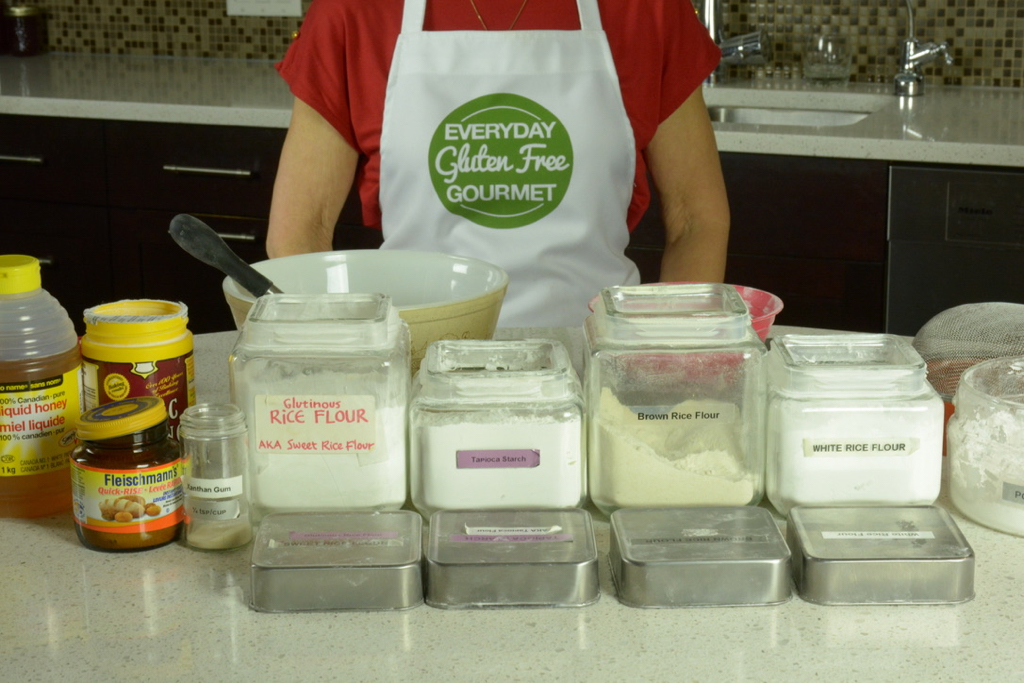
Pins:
x: 496, y: 425
x: 675, y: 388
x: 139, y: 347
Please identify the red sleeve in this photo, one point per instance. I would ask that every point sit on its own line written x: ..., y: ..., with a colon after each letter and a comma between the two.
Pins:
x: 339, y: 63
x: 663, y: 54
x: 339, y: 66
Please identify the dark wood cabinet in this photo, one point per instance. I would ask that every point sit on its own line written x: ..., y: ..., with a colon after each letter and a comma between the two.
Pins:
x: 223, y: 175
x: 150, y: 265
x: 811, y: 230
x: 52, y: 197
x: 185, y: 168
x: 72, y: 245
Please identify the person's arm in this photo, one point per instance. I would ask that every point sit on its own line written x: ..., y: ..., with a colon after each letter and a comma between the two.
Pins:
x: 687, y: 173
x: 314, y: 177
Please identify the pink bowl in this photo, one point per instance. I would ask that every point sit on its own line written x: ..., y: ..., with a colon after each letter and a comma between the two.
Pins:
x: 763, y: 306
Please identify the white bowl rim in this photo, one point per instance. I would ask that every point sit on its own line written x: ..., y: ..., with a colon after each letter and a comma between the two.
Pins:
x: 232, y: 288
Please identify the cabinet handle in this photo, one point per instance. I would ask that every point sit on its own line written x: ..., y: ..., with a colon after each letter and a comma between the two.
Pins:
x: 199, y: 170
x: 236, y: 237
x: 13, y: 159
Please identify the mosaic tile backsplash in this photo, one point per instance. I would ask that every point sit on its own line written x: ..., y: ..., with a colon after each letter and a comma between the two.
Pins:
x: 986, y: 36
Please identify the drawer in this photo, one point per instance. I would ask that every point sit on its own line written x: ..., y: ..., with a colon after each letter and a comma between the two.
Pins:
x: 52, y: 159
x: 191, y: 168
x: 72, y: 246
x: 806, y: 207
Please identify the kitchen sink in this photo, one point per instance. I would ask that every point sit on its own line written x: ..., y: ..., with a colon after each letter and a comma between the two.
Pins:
x: 784, y: 116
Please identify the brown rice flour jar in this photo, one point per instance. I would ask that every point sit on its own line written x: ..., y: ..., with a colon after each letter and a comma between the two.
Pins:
x: 675, y: 389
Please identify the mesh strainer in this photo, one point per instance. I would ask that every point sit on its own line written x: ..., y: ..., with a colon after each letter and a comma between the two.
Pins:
x: 962, y: 336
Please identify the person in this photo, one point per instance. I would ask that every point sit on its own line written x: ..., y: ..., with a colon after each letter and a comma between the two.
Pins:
x: 519, y: 132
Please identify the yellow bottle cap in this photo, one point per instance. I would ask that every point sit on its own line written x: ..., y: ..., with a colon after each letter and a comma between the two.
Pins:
x: 121, y: 418
x: 19, y: 274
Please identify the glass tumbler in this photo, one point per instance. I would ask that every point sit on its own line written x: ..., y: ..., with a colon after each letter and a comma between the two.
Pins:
x: 827, y: 60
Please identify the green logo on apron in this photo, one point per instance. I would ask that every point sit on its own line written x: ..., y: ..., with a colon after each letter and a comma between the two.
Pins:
x: 502, y: 161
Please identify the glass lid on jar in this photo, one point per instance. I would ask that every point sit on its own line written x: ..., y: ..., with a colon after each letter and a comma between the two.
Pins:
x: 671, y: 311
x: 845, y: 362
x: 336, y: 319
x: 507, y: 369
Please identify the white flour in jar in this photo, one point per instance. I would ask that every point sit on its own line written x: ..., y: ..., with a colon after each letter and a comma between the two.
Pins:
x: 849, y: 453
x: 507, y: 460
x: 319, y: 480
x: 650, y: 463
x: 986, y: 454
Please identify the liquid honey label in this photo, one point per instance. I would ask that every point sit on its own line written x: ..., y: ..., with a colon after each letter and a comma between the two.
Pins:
x: 172, y: 380
x: 37, y: 424
x: 127, y: 501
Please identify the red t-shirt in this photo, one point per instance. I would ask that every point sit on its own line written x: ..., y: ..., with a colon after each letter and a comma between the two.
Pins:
x: 339, y: 65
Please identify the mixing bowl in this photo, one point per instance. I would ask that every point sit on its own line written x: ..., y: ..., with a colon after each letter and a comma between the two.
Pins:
x: 438, y: 295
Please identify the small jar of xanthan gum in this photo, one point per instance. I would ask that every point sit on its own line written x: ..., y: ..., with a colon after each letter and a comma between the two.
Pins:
x: 126, y: 477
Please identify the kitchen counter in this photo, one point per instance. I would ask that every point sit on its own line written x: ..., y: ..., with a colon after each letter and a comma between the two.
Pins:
x: 946, y: 125
x: 174, y: 614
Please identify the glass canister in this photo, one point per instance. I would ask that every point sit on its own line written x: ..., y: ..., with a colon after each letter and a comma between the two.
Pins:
x: 323, y: 380
x: 985, y: 444
x: 214, y: 443
x: 25, y: 28
x: 852, y: 420
x: 675, y: 390
x: 496, y: 425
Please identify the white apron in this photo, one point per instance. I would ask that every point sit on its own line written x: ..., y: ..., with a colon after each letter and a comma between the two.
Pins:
x: 512, y: 147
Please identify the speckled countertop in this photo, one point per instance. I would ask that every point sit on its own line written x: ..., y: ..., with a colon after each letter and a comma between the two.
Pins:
x: 949, y: 125
x: 174, y: 614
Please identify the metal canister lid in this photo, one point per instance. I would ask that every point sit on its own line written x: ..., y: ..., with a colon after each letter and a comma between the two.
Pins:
x: 353, y: 560
x: 879, y: 555
x: 689, y: 557
x: 511, y: 558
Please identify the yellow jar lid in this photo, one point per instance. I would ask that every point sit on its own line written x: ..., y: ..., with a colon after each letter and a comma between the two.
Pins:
x: 121, y: 418
x: 19, y: 274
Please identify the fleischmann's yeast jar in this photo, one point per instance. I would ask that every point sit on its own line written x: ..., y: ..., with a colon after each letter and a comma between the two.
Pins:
x: 852, y: 420
x: 498, y: 425
x: 323, y: 380
x: 139, y: 347
x: 126, y: 477
x: 675, y: 390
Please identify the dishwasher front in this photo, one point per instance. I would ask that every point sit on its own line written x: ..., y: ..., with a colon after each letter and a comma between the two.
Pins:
x: 955, y: 236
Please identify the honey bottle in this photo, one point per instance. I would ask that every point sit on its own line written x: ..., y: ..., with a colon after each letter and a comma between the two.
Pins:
x: 39, y: 393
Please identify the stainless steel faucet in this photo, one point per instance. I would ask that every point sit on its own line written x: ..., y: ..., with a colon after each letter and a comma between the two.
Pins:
x: 910, y: 81
x: 749, y: 48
